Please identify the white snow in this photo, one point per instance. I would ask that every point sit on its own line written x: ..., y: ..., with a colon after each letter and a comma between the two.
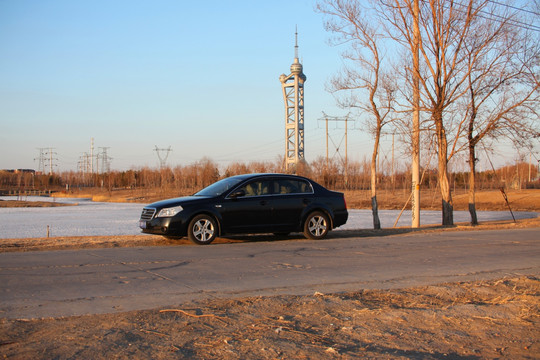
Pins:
x: 86, y: 219
x: 96, y: 218
x: 363, y: 219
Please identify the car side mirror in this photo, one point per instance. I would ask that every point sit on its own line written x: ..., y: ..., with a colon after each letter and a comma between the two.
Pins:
x: 237, y: 194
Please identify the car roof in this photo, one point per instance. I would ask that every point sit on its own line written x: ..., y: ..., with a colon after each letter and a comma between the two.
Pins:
x: 256, y: 175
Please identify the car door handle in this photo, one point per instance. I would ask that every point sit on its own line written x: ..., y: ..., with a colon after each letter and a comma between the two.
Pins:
x: 262, y: 202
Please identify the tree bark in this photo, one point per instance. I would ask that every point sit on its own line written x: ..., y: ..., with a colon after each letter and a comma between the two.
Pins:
x: 447, y: 204
x: 374, y: 206
x: 472, y: 180
x: 375, y: 211
x: 446, y: 194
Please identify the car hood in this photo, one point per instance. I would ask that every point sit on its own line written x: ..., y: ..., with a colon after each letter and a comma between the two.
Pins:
x: 177, y: 201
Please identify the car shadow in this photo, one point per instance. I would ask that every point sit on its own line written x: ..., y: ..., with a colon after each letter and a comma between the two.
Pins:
x: 384, y: 232
x: 340, y: 234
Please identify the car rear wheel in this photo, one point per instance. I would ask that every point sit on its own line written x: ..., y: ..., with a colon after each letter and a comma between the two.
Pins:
x: 202, y: 229
x: 316, y: 226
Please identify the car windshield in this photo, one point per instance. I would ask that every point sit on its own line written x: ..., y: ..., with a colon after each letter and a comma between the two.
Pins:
x: 219, y: 187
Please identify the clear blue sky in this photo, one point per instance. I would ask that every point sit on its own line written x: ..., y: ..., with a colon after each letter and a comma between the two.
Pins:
x: 199, y: 76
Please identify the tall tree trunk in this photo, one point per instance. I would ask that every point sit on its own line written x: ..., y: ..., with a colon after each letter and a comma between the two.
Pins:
x: 472, y: 175
x: 446, y: 194
x: 447, y: 204
x: 472, y: 141
x: 374, y: 206
x: 375, y: 211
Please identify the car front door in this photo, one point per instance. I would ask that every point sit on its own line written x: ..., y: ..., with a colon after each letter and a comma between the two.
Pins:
x: 251, y: 211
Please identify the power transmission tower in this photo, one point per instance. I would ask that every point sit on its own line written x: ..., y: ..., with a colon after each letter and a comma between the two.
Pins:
x: 162, y: 155
x: 50, y: 159
x: 81, y: 166
x: 345, y: 119
x: 91, y: 155
x: 85, y: 166
x: 41, y: 159
x: 105, y: 160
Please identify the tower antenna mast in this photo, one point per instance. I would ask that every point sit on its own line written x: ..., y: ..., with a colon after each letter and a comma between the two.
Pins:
x: 296, y: 43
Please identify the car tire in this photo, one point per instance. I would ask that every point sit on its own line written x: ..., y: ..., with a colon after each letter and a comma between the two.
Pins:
x: 202, y: 229
x: 316, y: 226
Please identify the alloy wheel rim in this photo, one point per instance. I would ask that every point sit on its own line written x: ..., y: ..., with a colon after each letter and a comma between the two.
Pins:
x: 317, y: 225
x: 203, y: 230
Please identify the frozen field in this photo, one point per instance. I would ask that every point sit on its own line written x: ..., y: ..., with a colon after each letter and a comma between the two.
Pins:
x: 94, y: 218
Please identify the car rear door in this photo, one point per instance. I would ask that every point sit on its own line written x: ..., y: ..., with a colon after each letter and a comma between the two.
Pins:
x: 291, y: 197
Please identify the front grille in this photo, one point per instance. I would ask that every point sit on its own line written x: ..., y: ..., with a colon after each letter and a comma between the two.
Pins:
x: 148, y: 213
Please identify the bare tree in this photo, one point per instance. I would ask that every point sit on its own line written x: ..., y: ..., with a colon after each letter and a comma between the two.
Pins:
x: 502, y: 83
x: 444, y: 27
x: 364, y: 87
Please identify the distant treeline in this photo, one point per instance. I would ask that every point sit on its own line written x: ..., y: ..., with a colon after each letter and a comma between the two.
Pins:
x: 356, y: 176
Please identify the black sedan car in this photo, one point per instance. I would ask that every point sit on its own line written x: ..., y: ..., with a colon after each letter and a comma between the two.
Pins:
x: 248, y: 204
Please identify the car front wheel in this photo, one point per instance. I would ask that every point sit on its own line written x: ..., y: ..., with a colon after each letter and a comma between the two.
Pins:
x: 202, y: 230
x: 316, y: 226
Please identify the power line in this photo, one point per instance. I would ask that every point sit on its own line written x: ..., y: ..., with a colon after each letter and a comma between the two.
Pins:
x: 500, y: 19
x: 260, y: 148
x: 511, y: 21
x: 345, y: 119
x: 513, y: 7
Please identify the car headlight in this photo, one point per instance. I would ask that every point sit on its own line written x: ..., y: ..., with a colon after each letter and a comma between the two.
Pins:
x: 168, y: 212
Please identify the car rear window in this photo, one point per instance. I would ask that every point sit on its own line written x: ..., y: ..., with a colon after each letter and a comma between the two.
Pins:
x: 291, y: 186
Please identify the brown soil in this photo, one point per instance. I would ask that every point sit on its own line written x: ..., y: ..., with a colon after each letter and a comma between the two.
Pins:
x: 473, y: 320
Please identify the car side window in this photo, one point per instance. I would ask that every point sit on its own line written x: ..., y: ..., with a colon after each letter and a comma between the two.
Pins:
x: 256, y: 188
x: 287, y: 186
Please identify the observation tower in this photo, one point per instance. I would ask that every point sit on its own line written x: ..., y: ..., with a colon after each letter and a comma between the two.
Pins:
x: 293, y: 95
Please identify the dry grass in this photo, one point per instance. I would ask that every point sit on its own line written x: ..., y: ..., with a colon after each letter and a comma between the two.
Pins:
x: 21, y: 203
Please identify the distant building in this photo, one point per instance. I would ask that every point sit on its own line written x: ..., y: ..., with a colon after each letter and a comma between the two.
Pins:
x: 20, y: 171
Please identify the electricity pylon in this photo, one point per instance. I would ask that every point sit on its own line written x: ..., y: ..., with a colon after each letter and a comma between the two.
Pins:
x: 162, y: 155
